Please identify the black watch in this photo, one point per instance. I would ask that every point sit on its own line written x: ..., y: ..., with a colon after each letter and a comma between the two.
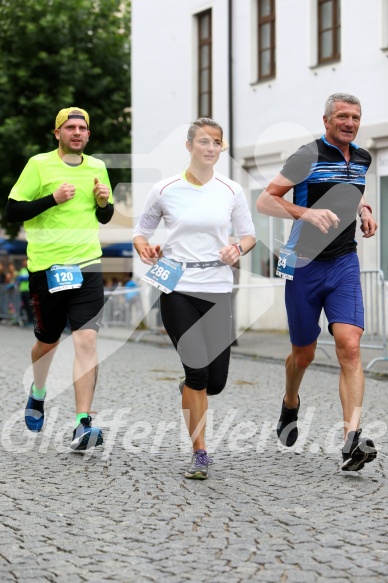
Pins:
x: 240, y: 249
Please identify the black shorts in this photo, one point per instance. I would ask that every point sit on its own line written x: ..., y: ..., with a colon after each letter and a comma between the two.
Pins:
x: 79, y: 308
x: 199, y: 325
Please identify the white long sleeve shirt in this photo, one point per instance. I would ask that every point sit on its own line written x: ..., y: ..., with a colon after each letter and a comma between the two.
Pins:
x: 197, y: 221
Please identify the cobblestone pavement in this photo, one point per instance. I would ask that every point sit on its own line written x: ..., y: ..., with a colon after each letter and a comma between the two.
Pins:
x: 125, y: 512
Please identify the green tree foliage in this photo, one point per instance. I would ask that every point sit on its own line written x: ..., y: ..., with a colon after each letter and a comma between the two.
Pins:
x: 56, y: 54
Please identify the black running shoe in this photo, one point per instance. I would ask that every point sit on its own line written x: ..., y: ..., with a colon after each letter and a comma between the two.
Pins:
x: 287, y: 429
x: 34, y: 413
x: 199, y: 469
x: 85, y: 436
x: 357, y: 451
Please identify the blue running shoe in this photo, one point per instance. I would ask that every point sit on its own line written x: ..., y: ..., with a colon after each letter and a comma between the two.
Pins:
x: 34, y: 413
x: 85, y: 436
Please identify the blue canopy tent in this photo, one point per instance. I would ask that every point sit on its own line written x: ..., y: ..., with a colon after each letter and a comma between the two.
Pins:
x: 18, y: 247
x: 13, y: 247
x: 118, y: 250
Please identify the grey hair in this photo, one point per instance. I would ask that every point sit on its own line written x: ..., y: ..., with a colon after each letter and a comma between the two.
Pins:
x: 200, y: 123
x: 345, y: 97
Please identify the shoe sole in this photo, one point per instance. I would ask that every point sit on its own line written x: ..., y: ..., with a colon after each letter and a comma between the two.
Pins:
x: 87, y: 441
x: 196, y: 476
x: 359, y: 459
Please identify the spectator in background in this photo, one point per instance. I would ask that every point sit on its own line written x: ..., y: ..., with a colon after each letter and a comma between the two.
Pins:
x: 24, y: 288
x: 11, y: 273
x: 132, y: 297
x: 134, y: 288
x: 3, y: 301
x: 2, y: 273
x: 108, y: 284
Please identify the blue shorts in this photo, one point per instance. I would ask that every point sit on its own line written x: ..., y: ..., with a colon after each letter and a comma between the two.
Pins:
x: 332, y: 285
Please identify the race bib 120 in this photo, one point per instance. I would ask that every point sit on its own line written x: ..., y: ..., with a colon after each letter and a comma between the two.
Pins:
x: 61, y: 277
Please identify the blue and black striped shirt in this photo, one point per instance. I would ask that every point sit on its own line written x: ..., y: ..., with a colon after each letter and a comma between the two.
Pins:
x: 324, y: 180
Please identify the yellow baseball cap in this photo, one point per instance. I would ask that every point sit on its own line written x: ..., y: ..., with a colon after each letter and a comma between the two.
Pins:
x: 69, y: 113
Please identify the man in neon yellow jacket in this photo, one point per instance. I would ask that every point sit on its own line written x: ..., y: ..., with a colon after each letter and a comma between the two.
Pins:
x: 62, y: 196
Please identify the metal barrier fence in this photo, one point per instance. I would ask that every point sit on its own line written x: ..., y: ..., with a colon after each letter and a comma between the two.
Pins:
x: 122, y: 308
x: 154, y: 318
x: 11, y: 306
x: 119, y: 311
x: 374, y: 336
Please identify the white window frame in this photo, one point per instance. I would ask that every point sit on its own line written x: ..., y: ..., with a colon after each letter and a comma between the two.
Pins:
x: 312, y: 15
x: 383, y: 11
x: 194, y: 54
x: 312, y: 11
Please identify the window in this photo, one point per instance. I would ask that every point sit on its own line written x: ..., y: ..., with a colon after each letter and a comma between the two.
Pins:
x: 383, y: 219
x: 270, y: 232
x: 329, y: 30
x: 205, y: 64
x: 266, y: 35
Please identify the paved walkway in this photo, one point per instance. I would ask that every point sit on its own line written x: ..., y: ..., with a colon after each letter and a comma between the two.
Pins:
x: 125, y: 513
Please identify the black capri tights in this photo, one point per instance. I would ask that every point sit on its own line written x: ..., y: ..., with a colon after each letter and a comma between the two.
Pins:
x: 199, y: 325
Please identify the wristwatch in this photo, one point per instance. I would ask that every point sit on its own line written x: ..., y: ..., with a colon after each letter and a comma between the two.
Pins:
x: 238, y: 247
